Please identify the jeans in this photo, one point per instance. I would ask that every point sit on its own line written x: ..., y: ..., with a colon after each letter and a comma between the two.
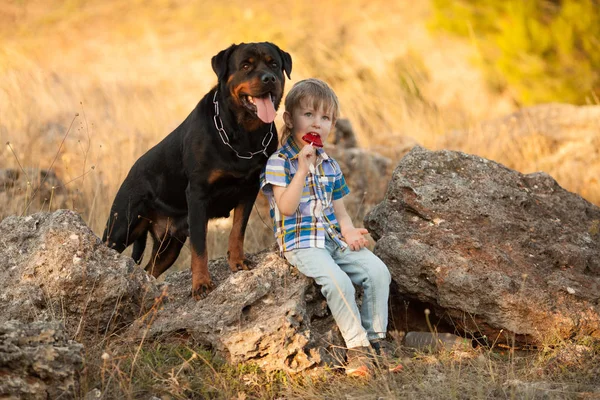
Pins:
x: 335, y: 270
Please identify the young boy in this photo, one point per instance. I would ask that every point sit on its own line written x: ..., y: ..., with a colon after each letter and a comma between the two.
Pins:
x: 313, y: 229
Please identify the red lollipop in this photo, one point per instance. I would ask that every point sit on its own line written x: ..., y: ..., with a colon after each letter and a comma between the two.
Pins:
x: 313, y: 139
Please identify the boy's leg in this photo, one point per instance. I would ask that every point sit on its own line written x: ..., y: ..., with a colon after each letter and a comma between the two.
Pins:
x: 337, y: 288
x: 366, y: 269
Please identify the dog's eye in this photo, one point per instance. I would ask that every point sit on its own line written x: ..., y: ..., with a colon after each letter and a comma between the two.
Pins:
x: 246, y: 66
x: 274, y: 65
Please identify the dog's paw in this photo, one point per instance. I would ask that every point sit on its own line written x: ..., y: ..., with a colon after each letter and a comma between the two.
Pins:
x: 202, y: 291
x: 240, y: 265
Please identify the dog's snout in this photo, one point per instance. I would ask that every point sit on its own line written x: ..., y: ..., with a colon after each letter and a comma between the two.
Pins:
x: 268, y: 78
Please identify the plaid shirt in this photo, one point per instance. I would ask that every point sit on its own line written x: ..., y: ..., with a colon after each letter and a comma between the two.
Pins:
x: 314, y: 217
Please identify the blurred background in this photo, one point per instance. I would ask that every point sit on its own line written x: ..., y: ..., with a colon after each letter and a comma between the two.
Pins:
x: 87, y: 86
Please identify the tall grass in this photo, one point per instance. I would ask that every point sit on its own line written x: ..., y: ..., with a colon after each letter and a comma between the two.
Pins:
x: 182, y: 369
x: 132, y: 71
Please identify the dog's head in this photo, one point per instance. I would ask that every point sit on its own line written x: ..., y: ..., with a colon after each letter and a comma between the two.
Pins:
x: 251, y: 74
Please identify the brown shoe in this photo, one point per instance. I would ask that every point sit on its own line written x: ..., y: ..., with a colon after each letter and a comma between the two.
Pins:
x: 359, y: 362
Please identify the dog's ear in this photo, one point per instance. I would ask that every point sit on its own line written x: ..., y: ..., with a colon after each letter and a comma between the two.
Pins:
x: 220, y: 62
x: 287, y: 60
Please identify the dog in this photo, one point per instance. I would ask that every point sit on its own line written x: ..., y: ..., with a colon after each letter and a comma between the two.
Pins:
x: 208, y: 166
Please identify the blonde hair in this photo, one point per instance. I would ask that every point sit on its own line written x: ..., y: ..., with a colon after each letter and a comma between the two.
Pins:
x: 310, y: 90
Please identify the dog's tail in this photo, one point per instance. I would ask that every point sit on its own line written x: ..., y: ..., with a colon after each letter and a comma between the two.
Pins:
x: 138, y: 248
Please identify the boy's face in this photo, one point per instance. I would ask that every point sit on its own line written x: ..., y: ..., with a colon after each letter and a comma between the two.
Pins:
x: 306, y: 119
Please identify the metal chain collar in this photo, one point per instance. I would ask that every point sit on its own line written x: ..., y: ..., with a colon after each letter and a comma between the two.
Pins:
x: 219, y: 125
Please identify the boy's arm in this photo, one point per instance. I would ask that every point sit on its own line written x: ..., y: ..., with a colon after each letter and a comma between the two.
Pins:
x: 353, y: 236
x: 288, y: 198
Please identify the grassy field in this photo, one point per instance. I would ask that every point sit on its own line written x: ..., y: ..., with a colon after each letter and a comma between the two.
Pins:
x: 123, y: 75
x: 185, y: 371
x: 86, y: 87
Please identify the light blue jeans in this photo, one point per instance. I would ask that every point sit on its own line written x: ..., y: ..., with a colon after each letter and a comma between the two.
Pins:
x: 335, y: 270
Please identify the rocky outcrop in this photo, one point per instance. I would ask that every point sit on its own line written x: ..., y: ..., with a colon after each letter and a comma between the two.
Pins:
x: 38, y: 361
x: 271, y: 316
x: 52, y: 266
x: 490, y: 249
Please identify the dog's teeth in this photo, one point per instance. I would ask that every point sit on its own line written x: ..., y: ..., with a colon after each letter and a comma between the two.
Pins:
x: 250, y: 99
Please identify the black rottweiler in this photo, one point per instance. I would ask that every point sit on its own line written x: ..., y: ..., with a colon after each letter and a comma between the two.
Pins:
x: 206, y: 167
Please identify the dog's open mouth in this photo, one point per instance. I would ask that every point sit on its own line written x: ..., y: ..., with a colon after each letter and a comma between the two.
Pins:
x: 262, y: 106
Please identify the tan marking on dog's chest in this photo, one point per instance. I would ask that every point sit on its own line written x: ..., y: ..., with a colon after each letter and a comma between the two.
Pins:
x: 163, y: 225
x: 220, y: 174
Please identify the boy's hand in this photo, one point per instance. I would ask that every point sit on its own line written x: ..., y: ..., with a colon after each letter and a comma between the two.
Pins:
x: 355, y: 239
x: 306, y: 158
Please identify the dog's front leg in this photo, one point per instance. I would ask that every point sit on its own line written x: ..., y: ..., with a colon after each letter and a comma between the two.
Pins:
x: 198, y: 223
x: 235, y: 253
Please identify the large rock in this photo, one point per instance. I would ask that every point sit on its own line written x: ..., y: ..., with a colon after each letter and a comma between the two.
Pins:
x: 271, y: 316
x: 38, y: 361
x: 52, y: 266
x: 489, y: 248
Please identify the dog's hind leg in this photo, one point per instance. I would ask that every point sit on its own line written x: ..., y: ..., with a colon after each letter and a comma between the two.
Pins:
x: 198, y: 223
x: 165, y: 251
x: 126, y: 223
x: 139, y: 245
x: 126, y: 232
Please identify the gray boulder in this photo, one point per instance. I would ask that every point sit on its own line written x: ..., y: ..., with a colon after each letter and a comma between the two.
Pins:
x: 53, y: 267
x: 38, y: 361
x: 492, y: 251
x: 271, y: 316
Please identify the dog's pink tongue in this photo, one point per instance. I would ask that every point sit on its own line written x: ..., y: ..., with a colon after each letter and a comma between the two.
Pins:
x: 265, y: 109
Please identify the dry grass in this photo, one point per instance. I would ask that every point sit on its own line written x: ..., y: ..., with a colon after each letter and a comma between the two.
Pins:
x: 133, y: 71
x: 96, y: 83
x: 181, y: 369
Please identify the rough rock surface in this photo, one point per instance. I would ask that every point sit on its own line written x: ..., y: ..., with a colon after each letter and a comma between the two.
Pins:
x: 491, y: 249
x: 38, y: 361
x: 52, y: 266
x: 272, y: 315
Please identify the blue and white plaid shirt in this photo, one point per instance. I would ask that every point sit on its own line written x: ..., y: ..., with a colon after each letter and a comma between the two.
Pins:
x: 314, y: 217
